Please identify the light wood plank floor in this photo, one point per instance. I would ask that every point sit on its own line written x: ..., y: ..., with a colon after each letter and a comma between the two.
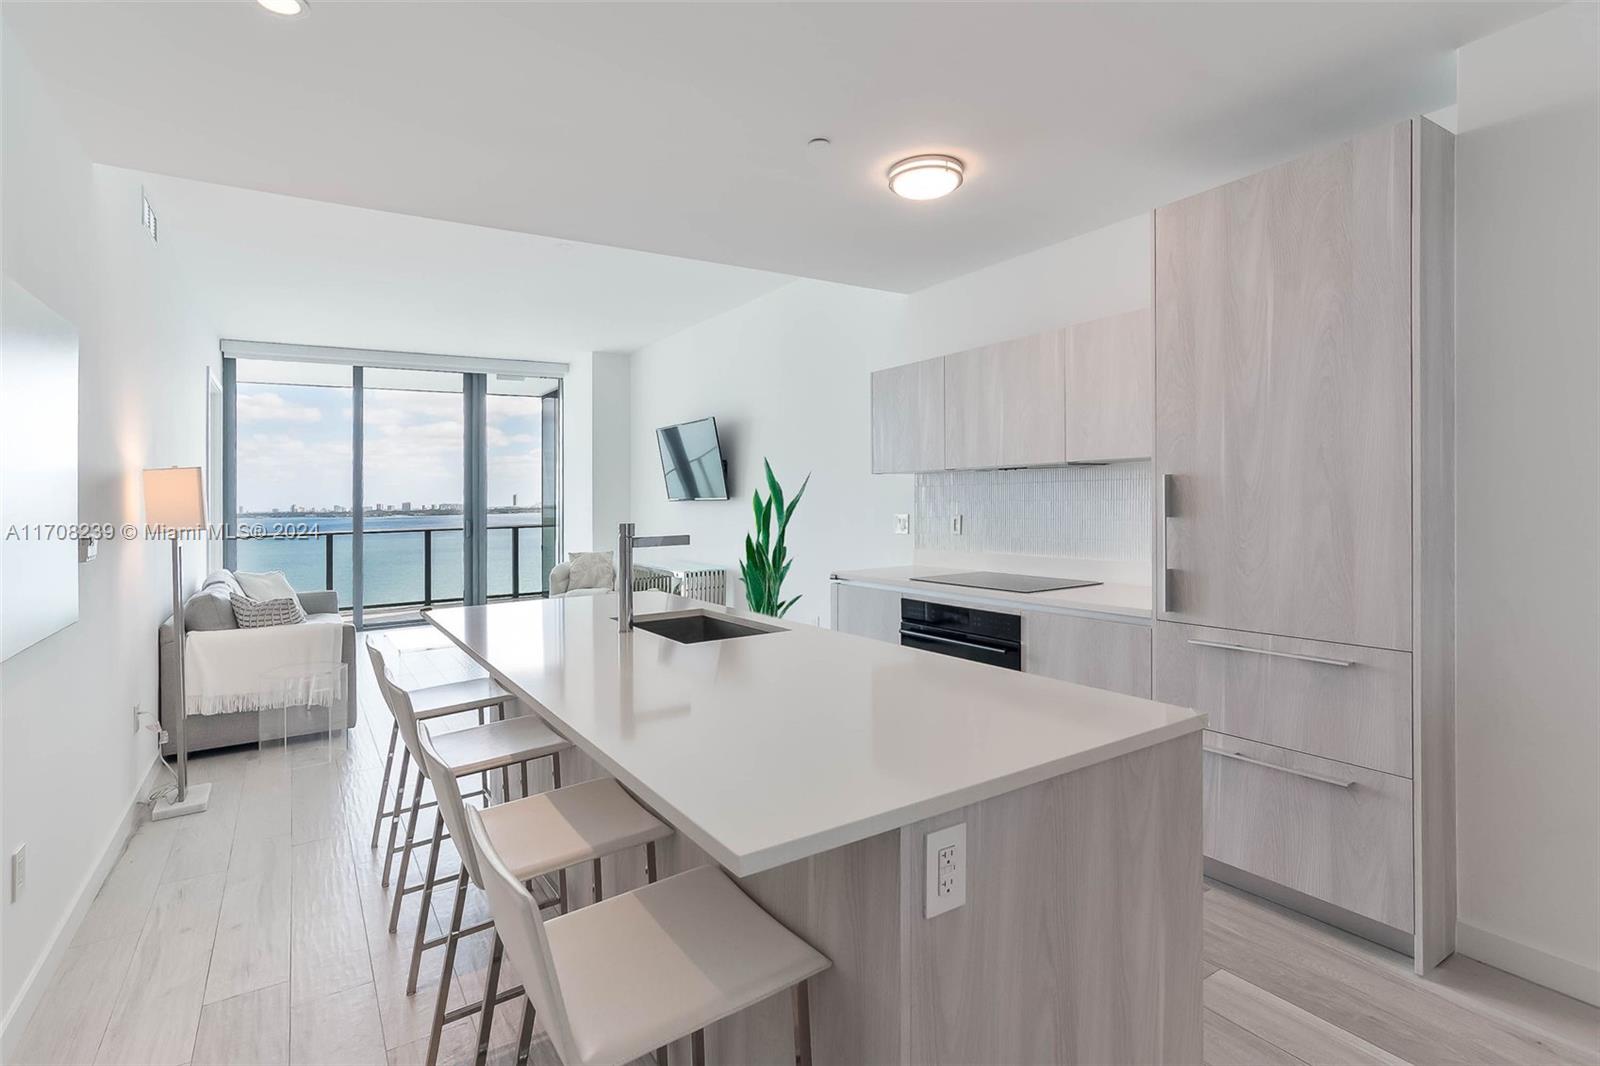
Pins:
x: 257, y: 932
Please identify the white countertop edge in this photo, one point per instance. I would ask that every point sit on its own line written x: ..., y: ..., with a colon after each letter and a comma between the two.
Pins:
x: 838, y: 837
x: 959, y: 594
x: 816, y: 844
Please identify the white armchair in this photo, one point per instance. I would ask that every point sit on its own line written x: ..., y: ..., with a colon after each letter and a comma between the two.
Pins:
x: 594, y: 574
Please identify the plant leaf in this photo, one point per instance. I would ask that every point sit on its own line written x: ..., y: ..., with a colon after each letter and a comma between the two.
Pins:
x: 796, y: 501
x: 775, y: 489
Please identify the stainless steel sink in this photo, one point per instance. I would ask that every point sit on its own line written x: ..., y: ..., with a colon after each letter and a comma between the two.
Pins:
x: 697, y: 627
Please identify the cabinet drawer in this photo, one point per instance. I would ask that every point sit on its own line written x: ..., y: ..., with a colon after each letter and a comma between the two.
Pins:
x: 1331, y: 700
x: 1337, y: 832
x: 1087, y: 651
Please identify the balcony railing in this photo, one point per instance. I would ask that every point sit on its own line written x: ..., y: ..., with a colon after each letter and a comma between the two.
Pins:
x: 415, y: 566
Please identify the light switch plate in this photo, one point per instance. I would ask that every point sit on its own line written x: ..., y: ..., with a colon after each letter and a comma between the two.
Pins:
x: 902, y: 523
x: 955, y: 524
x: 946, y: 876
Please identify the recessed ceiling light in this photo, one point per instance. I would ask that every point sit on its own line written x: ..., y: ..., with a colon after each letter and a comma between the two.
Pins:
x: 292, y: 9
x: 926, y: 177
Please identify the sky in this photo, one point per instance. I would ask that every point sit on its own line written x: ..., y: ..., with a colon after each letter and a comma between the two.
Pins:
x: 294, y: 447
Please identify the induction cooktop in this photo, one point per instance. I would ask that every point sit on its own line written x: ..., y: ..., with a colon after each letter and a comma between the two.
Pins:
x: 986, y: 579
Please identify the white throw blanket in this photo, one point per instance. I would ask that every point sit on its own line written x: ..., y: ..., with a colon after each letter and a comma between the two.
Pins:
x: 230, y: 670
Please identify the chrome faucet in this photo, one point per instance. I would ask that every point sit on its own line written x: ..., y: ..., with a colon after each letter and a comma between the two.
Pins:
x: 626, y: 542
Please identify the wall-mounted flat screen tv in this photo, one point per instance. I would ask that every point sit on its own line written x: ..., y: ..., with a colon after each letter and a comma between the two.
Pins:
x: 691, y: 459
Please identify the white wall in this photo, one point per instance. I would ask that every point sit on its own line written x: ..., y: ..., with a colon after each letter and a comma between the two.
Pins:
x: 70, y: 759
x: 787, y: 378
x: 1528, y: 501
x: 595, y: 406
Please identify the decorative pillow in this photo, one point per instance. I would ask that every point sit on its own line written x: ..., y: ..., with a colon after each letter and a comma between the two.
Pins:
x: 255, y: 614
x: 590, y: 570
x: 210, y: 608
x: 225, y: 579
x: 272, y: 585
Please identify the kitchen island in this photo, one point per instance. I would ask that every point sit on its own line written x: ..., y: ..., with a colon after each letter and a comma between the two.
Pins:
x: 812, y: 765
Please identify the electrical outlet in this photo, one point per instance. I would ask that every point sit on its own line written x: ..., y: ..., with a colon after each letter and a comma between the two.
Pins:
x: 902, y: 524
x: 19, y: 871
x: 946, y: 870
x: 162, y: 737
x: 955, y: 524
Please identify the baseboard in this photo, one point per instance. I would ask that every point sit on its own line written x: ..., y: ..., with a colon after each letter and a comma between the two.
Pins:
x: 44, y: 971
x: 1541, y: 967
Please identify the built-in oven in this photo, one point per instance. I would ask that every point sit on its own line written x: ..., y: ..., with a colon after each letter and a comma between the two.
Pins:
x: 965, y: 632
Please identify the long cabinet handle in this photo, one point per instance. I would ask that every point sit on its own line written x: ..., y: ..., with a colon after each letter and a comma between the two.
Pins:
x: 1268, y: 651
x: 1336, y: 782
x: 1168, y: 487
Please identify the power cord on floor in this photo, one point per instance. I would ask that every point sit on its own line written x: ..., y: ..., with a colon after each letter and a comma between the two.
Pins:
x: 161, y: 792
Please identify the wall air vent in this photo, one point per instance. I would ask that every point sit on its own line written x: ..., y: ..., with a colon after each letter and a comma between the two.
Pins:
x: 148, y: 218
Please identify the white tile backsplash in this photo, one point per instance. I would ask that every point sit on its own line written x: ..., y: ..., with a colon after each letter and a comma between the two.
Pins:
x: 1081, y: 512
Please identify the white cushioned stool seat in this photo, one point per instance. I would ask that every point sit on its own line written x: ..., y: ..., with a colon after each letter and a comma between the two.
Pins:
x: 497, y: 744
x: 551, y: 831
x: 456, y: 696
x: 642, y: 969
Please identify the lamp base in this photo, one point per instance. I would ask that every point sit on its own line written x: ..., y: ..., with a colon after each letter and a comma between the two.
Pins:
x: 193, y: 803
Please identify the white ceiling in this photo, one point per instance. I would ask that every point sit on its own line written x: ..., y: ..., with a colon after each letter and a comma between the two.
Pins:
x: 682, y: 129
x: 265, y: 267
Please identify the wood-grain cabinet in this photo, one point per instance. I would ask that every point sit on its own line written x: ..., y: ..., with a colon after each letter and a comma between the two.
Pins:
x: 1086, y: 651
x: 908, y: 418
x: 1083, y: 393
x: 1303, y: 356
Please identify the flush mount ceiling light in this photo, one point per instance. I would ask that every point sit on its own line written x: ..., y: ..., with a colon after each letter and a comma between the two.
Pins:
x: 926, y: 177
x: 291, y: 9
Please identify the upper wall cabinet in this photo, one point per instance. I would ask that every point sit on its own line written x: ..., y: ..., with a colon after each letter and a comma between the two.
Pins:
x: 1004, y: 404
x: 908, y: 418
x: 1110, y: 388
x: 1080, y: 394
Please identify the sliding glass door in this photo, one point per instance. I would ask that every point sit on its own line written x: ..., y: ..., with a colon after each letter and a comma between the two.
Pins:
x: 290, y: 485
x: 520, y: 415
x: 413, y: 501
x: 399, y: 488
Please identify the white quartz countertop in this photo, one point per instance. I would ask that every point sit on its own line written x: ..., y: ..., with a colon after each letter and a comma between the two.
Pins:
x: 771, y: 748
x: 1129, y: 602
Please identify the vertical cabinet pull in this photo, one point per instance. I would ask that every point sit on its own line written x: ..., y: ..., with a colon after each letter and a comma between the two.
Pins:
x: 1168, y: 591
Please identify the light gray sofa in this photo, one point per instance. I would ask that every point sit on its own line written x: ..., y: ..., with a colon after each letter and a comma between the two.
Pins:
x: 210, y: 608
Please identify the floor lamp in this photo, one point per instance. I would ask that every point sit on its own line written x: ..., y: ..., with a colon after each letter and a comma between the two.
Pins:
x: 175, y: 502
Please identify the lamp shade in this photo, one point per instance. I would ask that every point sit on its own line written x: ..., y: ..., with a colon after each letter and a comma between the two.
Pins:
x: 174, y: 498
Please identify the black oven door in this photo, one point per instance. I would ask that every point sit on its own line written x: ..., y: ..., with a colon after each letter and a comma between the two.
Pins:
x: 976, y: 649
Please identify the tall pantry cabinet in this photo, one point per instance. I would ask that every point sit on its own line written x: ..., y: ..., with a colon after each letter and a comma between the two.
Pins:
x: 1304, y: 541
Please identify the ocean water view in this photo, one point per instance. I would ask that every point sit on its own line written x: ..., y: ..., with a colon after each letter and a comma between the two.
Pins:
x: 394, y: 553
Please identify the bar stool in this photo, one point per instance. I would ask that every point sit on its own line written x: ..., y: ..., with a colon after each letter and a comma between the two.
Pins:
x: 633, y: 973
x: 540, y: 834
x: 432, y: 701
x: 474, y: 750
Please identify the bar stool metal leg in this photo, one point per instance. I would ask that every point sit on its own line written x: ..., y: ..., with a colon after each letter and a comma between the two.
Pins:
x: 405, y: 851
x: 394, y: 821
x: 427, y: 901
x: 383, y: 789
x: 491, y: 989
x: 525, y: 1041
x: 802, y: 1023
x: 441, y: 1002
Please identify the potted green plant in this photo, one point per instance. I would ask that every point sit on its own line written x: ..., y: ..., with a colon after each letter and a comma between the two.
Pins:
x: 766, y: 557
